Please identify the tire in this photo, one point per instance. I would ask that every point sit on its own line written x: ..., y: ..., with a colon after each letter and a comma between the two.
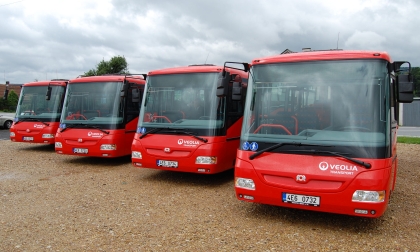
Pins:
x: 7, y: 124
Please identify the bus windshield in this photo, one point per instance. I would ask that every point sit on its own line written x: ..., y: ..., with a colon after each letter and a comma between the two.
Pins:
x: 182, y: 101
x: 323, y: 103
x: 33, y: 104
x: 93, y: 103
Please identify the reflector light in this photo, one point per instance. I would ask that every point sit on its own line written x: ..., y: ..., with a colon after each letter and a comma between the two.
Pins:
x: 360, y: 211
x: 248, y: 197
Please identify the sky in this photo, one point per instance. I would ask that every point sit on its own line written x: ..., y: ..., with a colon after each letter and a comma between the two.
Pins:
x: 45, y: 39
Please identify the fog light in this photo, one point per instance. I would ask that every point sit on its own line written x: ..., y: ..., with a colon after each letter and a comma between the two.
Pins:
x: 47, y: 135
x: 205, y: 160
x: 58, y: 145
x: 368, y: 196
x: 248, y: 197
x: 108, y: 147
x: 12, y: 134
x: 245, y: 183
x: 136, y: 154
x: 361, y: 211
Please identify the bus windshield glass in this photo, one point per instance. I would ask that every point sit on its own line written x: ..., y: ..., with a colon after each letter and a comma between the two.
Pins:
x: 324, y: 103
x: 33, y: 103
x: 93, y: 103
x: 182, y: 101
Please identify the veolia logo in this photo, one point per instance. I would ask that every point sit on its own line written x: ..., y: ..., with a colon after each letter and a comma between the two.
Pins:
x: 188, y: 142
x: 337, y: 167
x: 323, y: 166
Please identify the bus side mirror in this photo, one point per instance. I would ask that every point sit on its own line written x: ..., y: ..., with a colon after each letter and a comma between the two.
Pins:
x: 48, y: 95
x: 236, y: 91
x: 135, y: 95
x: 223, y: 84
x: 405, y: 88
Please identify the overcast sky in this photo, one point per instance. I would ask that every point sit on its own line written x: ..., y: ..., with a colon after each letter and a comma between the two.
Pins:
x: 46, y: 39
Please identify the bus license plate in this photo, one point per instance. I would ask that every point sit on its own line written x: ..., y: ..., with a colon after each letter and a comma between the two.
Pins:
x: 80, y: 150
x: 301, y: 199
x: 28, y: 138
x: 165, y: 163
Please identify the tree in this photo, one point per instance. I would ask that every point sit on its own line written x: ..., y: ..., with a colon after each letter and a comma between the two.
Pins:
x: 10, y: 103
x: 116, y: 65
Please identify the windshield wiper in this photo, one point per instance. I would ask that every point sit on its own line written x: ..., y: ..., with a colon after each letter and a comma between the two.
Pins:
x: 94, y: 127
x: 31, y: 120
x: 366, y: 165
x: 85, y: 126
x: 256, y: 154
x: 191, y: 134
x: 152, y: 131
x: 359, y: 162
x: 69, y: 126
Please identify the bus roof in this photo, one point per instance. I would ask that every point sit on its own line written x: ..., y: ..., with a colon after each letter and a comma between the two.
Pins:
x: 102, y: 78
x: 194, y: 69
x: 322, y: 55
x: 58, y: 82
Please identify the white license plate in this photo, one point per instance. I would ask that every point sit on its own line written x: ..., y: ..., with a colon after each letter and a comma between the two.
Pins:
x: 301, y: 199
x: 165, y: 163
x: 80, y: 150
x: 28, y: 138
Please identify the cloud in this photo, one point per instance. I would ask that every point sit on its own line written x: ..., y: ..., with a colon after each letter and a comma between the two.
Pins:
x: 66, y: 38
x: 366, y: 40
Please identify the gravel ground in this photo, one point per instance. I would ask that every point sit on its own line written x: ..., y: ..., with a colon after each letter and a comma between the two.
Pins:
x: 52, y: 202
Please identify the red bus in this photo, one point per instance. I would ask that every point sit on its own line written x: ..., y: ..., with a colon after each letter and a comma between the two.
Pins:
x: 190, y: 119
x: 100, y: 115
x: 38, y: 112
x: 320, y: 131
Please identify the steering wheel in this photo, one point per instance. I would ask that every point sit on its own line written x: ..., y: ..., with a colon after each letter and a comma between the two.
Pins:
x: 355, y: 128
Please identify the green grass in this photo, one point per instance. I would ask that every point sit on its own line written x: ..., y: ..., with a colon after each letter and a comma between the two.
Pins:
x: 408, y: 140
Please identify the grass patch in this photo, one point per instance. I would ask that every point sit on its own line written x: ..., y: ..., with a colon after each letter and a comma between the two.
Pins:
x: 408, y: 140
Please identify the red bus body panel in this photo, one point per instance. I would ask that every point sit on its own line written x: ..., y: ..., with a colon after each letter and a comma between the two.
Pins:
x: 31, y: 132
x: 92, y: 140
x: 335, y: 185
x: 184, y: 149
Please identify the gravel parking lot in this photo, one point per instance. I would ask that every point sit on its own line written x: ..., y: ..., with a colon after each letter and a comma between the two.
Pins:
x: 51, y: 202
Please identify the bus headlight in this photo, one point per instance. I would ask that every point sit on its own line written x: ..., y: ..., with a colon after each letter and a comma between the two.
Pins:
x: 108, y: 147
x: 58, y: 145
x: 136, y: 154
x: 206, y: 160
x: 47, y: 136
x: 368, y: 196
x: 12, y: 134
x: 245, y: 183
